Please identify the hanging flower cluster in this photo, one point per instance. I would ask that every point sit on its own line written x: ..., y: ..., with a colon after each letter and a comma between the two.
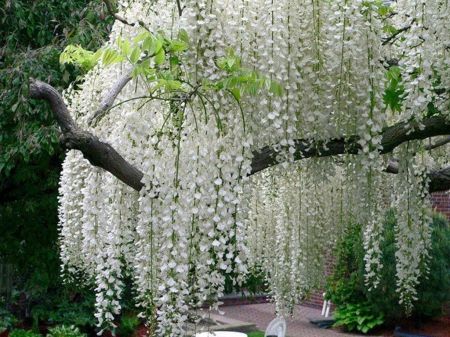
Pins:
x: 292, y: 226
x: 212, y: 81
x: 413, y: 232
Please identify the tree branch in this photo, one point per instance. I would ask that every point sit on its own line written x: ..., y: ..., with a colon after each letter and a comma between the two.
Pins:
x: 391, y: 138
x: 180, y: 9
x: 105, y: 156
x: 398, y: 32
x: 110, y: 97
x: 439, y: 179
x: 438, y: 143
x: 98, y: 153
x: 112, y: 12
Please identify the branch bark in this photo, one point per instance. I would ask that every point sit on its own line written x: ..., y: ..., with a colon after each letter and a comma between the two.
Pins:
x: 105, y: 156
x: 98, y: 153
x: 439, y: 179
x: 392, y: 137
x: 438, y: 143
x: 110, y: 97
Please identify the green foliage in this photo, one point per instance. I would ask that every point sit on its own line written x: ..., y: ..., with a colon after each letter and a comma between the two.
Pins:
x: 128, y: 325
x: 394, y: 94
x: 65, y: 331
x: 146, y: 52
x: 158, y: 60
x: 23, y: 333
x: 434, y: 290
x: 253, y: 284
x: 346, y: 286
x: 255, y: 334
x: 33, y: 34
x: 358, y: 317
x: 64, y: 307
x: 7, y: 320
x: 75, y: 54
x: 241, y: 80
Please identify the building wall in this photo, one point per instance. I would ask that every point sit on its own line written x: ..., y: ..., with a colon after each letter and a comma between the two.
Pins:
x: 441, y: 203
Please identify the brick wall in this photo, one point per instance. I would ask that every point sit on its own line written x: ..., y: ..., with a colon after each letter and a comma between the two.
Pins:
x: 315, y: 300
x: 440, y: 202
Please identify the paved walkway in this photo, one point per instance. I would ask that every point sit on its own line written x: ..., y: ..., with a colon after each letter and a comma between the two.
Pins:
x: 298, y: 326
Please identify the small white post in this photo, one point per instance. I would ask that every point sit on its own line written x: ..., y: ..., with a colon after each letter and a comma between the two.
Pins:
x: 327, y: 311
x: 324, y: 307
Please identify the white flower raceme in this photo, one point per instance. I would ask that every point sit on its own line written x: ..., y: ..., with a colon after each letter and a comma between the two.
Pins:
x: 198, y: 216
x: 413, y: 233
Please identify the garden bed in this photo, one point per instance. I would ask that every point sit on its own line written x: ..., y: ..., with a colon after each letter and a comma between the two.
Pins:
x: 439, y: 327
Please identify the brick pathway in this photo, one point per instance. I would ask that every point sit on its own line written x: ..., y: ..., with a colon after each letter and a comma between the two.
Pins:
x: 299, y: 326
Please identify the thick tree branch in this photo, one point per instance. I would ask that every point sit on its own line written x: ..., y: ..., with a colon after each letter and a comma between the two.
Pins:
x: 439, y: 179
x: 98, y: 153
x: 438, y: 143
x: 391, y: 138
x: 105, y: 156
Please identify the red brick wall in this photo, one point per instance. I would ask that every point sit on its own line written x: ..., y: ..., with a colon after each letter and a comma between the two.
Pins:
x: 315, y: 300
x: 440, y: 202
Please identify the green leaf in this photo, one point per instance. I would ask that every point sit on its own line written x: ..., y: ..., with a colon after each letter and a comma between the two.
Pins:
x: 141, y: 36
x: 221, y: 63
x: 160, y: 57
x: 172, y: 85
x: 15, y: 106
x: 124, y: 46
x: 230, y: 62
x: 276, y: 88
x: 135, y: 55
x: 110, y: 57
x: 149, y: 44
x: 177, y: 46
x: 174, y: 60
x: 74, y: 54
x: 183, y: 36
x: 158, y: 45
x: 236, y: 93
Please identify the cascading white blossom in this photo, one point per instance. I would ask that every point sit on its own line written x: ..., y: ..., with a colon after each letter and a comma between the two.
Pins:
x: 413, y: 232
x: 199, y: 216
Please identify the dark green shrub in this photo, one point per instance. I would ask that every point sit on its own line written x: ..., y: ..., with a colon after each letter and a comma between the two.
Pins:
x: 128, y: 325
x: 23, y: 333
x: 7, y: 320
x: 358, y: 317
x: 66, y: 309
x: 346, y: 285
x: 253, y: 284
x: 65, y: 331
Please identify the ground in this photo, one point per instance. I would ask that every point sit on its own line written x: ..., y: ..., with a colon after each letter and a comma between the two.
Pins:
x: 299, y: 326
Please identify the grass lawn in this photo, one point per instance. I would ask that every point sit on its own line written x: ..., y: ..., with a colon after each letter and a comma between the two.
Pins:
x: 255, y: 334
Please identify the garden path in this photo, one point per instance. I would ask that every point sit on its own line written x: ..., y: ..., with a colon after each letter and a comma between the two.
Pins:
x: 298, y: 326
